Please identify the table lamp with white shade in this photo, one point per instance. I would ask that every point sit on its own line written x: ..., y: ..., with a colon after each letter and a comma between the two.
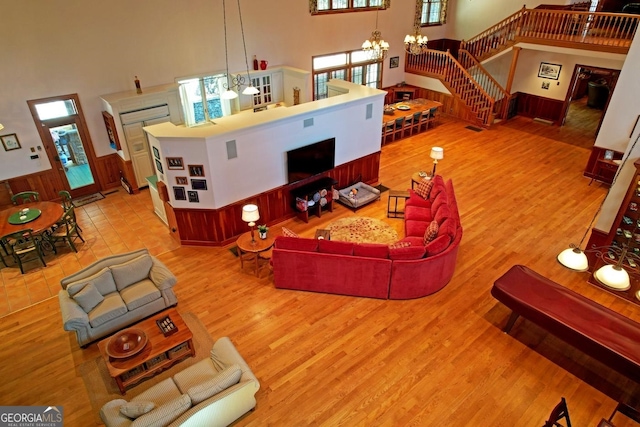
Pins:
x: 437, y: 153
x: 250, y: 214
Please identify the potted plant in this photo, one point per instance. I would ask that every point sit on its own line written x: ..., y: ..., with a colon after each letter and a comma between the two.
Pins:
x: 262, y: 230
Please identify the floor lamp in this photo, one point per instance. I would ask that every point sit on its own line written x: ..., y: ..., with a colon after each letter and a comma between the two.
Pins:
x: 437, y: 153
x: 250, y: 214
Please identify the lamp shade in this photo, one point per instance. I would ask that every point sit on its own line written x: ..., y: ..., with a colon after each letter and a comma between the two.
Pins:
x: 250, y: 213
x: 1, y: 126
x: 574, y: 259
x: 250, y: 90
x: 613, y: 276
x: 229, y: 94
x: 437, y: 153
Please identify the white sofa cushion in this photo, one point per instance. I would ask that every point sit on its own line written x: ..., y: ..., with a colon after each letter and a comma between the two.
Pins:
x: 102, y: 280
x: 161, y: 393
x: 215, y: 385
x: 139, y: 294
x: 195, y: 374
x: 131, y: 271
x: 110, y: 308
x: 136, y: 409
x: 88, y: 298
x: 165, y: 414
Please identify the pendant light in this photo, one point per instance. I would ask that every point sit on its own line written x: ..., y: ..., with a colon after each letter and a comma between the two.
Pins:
x: 250, y: 89
x: 228, y: 93
x: 375, y: 46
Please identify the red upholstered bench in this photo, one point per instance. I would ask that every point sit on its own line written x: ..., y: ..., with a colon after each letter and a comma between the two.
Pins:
x: 592, y: 328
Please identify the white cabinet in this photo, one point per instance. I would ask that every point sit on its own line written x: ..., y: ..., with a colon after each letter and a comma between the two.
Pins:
x: 269, y: 83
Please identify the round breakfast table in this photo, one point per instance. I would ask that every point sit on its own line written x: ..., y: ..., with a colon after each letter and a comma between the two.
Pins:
x: 11, y: 220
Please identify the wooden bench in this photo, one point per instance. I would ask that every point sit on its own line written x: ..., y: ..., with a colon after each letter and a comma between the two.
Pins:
x: 599, y: 332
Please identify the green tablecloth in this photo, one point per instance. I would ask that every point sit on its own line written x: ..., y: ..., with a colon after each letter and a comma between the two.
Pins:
x: 16, y: 218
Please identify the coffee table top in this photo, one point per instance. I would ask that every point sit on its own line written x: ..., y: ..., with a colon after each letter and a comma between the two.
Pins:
x: 157, y: 343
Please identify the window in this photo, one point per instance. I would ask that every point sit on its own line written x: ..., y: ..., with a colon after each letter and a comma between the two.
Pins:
x: 317, y: 7
x: 433, y: 12
x: 201, y: 98
x: 354, y: 66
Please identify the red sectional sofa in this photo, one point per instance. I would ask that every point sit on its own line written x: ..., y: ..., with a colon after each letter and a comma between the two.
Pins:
x: 408, y: 269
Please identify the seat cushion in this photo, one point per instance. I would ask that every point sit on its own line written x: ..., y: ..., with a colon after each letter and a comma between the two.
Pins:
x: 335, y: 247
x: 102, y: 280
x: 110, y: 308
x: 417, y: 213
x: 415, y: 228
x: 131, y: 271
x: 438, y: 245
x: 161, y: 393
x: 225, y: 379
x: 195, y: 374
x: 139, y: 294
x: 165, y: 414
x: 410, y: 252
x: 296, y: 244
x: 371, y: 250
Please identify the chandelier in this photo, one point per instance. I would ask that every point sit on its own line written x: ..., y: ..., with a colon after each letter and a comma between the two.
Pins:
x: 415, y: 43
x: 375, y: 46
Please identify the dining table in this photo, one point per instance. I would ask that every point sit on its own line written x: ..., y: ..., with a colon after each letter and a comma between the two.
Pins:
x: 39, y: 217
x: 406, y: 108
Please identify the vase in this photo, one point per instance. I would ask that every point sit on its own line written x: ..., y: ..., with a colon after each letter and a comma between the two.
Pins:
x: 263, y: 64
x: 263, y: 235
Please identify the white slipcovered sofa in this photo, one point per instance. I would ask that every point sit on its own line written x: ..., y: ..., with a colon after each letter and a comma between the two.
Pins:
x: 113, y: 293
x: 213, y: 392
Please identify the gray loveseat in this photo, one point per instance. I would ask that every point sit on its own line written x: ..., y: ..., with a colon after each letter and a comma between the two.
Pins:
x: 113, y: 293
x: 213, y: 392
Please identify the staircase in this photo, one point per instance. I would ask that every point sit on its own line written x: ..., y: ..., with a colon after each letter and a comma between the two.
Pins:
x: 484, y: 97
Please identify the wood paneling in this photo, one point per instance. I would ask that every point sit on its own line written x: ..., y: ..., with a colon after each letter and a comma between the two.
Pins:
x: 529, y: 105
x: 108, y: 170
x: 47, y: 183
x: 126, y: 168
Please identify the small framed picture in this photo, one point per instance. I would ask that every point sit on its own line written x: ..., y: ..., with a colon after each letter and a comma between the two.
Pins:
x: 608, y: 155
x: 10, y: 142
x: 179, y: 193
x: 174, y: 163
x: 549, y: 71
x: 182, y: 180
x: 196, y: 170
x: 545, y: 85
x: 159, y: 166
x: 193, y: 197
x: 156, y: 153
x: 199, y: 184
x: 394, y: 61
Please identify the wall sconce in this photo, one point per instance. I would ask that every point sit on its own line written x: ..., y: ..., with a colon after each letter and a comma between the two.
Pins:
x: 437, y: 153
x: 250, y: 214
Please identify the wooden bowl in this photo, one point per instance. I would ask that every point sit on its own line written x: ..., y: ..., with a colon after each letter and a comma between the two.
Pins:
x: 126, y: 343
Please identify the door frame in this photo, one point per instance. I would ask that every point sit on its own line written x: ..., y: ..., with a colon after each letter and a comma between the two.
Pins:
x: 52, y: 153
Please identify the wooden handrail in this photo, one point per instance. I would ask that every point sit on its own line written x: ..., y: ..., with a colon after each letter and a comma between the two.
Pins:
x: 443, y: 66
x: 486, y: 81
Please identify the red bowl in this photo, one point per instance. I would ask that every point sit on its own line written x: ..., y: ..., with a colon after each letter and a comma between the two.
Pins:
x: 126, y: 343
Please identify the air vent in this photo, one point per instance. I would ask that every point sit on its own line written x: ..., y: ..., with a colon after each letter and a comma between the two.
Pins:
x: 232, y: 152
x: 308, y: 122
x: 369, y: 111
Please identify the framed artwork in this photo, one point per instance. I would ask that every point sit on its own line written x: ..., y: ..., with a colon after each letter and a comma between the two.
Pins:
x: 179, y: 193
x: 545, y: 85
x: 181, y: 180
x: 394, y: 61
x: 10, y: 142
x: 608, y: 155
x: 549, y: 71
x: 193, y: 197
x: 199, y: 184
x: 110, y: 124
x: 174, y: 163
x: 196, y: 170
x: 156, y: 153
x: 159, y: 166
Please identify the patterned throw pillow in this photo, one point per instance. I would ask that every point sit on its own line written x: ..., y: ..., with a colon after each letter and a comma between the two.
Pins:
x: 424, y: 188
x: 431, y: 232
x: 288, y: 233
x: 399, y: 244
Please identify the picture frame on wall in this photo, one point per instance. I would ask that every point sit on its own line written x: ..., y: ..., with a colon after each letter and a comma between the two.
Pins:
x: 179, y: 193
x: 193, y: 197
x: 10, y: 142
x: 159, y: 166
x: 110, y: 125
x: 549, y: 71
x: 199, y: 184
x: 196, y: 170
x: 156, y: 153
x: 175, y: 163
x: 182, y: 180
x: 608, y: 155
x: 394, y: 62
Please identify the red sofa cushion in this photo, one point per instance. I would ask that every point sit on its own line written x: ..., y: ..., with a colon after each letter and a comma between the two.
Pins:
x: 417, y: 213
x: 438, y: 245
x: 371, y: 250
x: 296, y: 244
x: 442, y: 214
x: 415, y: 228
x: 448, y: 228
x: 415, y: 200
x: 438, y: 202
x: 335, y: 247
x: 410, y: 252
x: 413, y: 241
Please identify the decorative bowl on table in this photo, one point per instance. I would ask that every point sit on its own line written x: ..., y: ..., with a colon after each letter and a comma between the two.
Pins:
x: 126, y: 343
x: 403, y: 107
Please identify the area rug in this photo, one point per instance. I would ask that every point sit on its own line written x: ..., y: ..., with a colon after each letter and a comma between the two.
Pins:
x: 101, y: 388
x: 85, y: 200
x: 362, y: 230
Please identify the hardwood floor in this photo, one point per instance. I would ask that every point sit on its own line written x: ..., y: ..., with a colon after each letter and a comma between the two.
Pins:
x: 337, y: 360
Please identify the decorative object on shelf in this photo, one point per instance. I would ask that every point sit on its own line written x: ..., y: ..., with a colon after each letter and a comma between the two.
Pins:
x: 296, y: 95
x: 255, y: 62
x: 375, y: 46
x: 138, y: 87
x: 166, y: 325
x: 263, y: 64
x: 250, y: 215
x: 437, y: 153
x: 10, y: 142
x: 262, y: 230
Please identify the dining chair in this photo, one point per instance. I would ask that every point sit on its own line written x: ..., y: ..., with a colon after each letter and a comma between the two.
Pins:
x: 560, y: 411
x: 434, y: 116
x: 627, y: 411
x: 20, y: 245
x: 399, y: 128
x: 415, y: 122
x: 65, y: 196
x: 425, y: 119
x: 25, y: 197
x: 387, y: 131
x: 407, y: 126
x: 66, y: 231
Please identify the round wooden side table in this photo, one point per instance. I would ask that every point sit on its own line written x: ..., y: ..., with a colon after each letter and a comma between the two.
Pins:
x: 250, y: 251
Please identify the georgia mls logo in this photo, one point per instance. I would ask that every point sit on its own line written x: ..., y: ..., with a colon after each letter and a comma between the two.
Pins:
x: 31, y: 416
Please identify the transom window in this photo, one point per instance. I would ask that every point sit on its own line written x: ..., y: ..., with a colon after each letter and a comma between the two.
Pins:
x: 432, y: 12
x: 330, y: 6
x: 354, y: 66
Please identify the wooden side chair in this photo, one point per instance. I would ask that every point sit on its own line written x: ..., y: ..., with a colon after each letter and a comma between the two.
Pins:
x: 25, y: 197
x: 399, y: 128
x: 65, y: 196
x: 559, y: 412
x: 627, y: 411
x: 387, y: 131
x: 66, y: 231
x: 415, y: 123
x: 425, y: 119
x: 21, y: 245
x: 407, y: 126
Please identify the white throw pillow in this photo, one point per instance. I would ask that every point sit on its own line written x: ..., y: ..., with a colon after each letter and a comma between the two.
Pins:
x: 132, y: 271
x: 88, y: 298
x: 136, y: 409
x: 102, y: 280
x: 225, y: 379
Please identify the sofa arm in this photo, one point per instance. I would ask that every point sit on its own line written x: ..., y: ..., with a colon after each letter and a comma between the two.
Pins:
x: 224, y: 354
x: 73, y: 316
x: 161, y: 276
x: 111, y: 416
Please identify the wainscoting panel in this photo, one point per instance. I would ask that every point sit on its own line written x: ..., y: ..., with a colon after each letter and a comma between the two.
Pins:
x: 539, y: 107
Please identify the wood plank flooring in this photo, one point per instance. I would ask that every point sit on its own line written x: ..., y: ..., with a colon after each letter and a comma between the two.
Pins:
x: 336, y: 360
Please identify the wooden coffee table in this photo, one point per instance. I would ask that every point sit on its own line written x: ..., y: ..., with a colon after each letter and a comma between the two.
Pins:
x: 159, y: 353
